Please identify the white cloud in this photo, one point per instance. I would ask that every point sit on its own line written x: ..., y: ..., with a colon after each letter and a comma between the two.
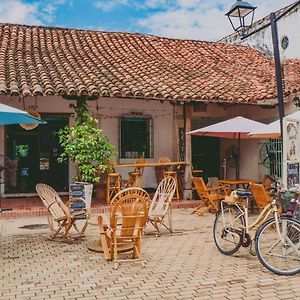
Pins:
x: 199, y: 19
x: 16, y: 11
x: 157, y: 3
x: 108, y: 5
x: 48, y: 8
x: 21, y: 12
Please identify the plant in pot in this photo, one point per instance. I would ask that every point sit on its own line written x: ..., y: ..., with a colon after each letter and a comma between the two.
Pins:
x: 86, y: 146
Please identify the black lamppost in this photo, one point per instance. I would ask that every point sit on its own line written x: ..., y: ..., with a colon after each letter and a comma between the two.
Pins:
x: 237, y: 16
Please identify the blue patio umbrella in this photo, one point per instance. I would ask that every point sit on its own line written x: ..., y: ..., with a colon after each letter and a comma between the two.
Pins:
x: 10, y: 115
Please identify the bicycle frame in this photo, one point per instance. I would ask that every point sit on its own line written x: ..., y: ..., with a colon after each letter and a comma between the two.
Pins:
x: 276, y: 237
x: 244, y: 212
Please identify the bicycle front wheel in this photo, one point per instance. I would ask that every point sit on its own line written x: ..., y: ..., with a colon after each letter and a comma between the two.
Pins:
x: 228, y: 230
x: 278, y: 247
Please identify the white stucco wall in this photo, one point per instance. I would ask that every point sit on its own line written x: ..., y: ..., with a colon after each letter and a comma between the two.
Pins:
x: 108, y: 113
x: 163, y: 129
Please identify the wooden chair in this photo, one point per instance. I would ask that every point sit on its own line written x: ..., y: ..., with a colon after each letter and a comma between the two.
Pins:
x: 210, y: 196
x: 267, y: 182
x: 60, y: 217
x: 160, y: 204
x: 172, y: 173
x: 128, y: 216
x: 113, y: 185
x: 214, y: 182
x: 260, y: 195
x: 135, y: 177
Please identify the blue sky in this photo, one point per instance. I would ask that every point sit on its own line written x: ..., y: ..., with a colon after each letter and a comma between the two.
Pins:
x: 189, y: 19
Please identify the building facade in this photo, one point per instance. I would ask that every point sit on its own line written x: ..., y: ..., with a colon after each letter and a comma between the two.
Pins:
x: 146, y: 92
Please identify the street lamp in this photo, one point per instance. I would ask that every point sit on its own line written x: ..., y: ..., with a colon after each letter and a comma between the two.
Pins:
x: 241, y: 16
x: 240, y: 10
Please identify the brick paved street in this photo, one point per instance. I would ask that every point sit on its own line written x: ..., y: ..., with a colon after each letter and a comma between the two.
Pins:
x: 184, y: 265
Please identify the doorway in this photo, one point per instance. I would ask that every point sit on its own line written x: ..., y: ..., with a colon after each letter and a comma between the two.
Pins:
x: 35, y: 154
x: 206, y: 155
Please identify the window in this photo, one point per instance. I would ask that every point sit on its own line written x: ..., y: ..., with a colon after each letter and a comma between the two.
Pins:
x: 136, y: 137
x: 284, y: 42
x: 270, y: 156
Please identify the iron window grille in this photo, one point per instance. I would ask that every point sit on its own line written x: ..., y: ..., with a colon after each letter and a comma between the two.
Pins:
x: 136, y: 136
x: 270, y: 156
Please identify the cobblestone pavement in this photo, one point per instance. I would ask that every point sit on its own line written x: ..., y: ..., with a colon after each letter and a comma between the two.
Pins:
x: 182, y: 265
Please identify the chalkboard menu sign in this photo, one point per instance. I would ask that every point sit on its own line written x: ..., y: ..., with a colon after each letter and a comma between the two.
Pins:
x: 292, y: 174
x: 80, y: 191
x: 77, y: 190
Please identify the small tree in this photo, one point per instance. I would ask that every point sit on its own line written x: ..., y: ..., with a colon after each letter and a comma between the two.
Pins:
x: 86, y: 146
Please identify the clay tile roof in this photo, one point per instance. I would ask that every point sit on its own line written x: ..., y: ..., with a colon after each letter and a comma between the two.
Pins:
x: 58, y: 61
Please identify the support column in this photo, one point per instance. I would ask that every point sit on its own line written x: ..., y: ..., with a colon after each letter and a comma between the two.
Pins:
x: 187, y: 193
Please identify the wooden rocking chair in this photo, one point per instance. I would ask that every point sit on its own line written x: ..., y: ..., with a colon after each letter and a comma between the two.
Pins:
x: 160, y: 204
x: 210, y: 196
x: 60, y: 217
x: 128, y: 216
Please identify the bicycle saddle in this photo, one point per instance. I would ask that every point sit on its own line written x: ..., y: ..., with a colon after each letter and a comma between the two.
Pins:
x: 243, y: 193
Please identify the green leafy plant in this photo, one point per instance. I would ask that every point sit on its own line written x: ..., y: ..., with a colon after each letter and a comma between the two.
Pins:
x: 86, y: 146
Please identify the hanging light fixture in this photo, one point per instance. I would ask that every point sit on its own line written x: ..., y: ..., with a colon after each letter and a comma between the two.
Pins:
x: 241, y: 16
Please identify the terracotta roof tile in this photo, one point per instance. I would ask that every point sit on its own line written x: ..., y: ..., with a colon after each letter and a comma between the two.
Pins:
x: 58, y: 61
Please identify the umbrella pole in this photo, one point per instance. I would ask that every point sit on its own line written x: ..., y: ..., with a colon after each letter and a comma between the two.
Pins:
x: 237, y: 169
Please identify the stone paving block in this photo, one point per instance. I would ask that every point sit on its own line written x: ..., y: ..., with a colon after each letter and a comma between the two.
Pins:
x: 182, y: 265
x: 202, y: 298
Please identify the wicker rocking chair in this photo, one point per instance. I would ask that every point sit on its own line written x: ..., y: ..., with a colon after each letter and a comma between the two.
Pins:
x: 160, y: 204
x: 128, y: 215
x: 60, y: 217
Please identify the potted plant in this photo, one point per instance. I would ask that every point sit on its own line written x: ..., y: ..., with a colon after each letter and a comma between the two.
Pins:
x: 86, y: 146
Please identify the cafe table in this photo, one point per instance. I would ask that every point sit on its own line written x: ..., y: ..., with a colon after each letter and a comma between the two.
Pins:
x: 146, y: 164
x: 236, y: 183
x: 150, y: 164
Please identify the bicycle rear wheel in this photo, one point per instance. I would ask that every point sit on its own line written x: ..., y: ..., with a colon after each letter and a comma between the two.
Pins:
x: 228, y: 229
x: 281, y: 257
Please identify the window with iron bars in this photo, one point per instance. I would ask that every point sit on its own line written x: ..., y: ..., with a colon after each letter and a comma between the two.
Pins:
x: 136, y: 136
x: 270, y: 155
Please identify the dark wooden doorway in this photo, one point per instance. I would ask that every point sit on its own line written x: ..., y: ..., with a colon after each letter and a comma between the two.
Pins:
x: 206, y: 155
x: 36, y: 152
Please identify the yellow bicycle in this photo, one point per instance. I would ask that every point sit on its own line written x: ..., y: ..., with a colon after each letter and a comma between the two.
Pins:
x: 277, y: 240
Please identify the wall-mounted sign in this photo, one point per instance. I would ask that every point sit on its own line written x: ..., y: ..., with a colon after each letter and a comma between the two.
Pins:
x: 292, y: 142
x: 292, y: 174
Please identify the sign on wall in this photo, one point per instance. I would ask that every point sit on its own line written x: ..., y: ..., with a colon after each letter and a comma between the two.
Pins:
x: 292, y: 174
x: 291, y: 153
x: 292, y: 143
